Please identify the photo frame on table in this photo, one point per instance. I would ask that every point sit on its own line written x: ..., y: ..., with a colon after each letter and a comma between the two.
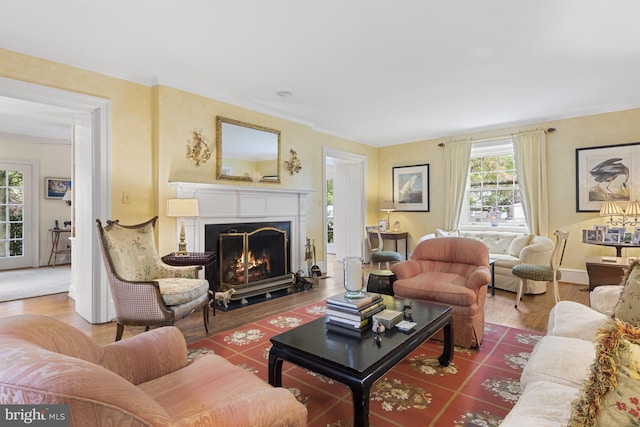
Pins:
x: 411, y: 188
x: 55, y: 188
x: 606, y: 173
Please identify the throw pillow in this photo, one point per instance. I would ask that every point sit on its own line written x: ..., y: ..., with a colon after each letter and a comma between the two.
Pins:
x: 443, y: 233
x: 628, y: 307
x: 611, y: 394
x: 518, y: 244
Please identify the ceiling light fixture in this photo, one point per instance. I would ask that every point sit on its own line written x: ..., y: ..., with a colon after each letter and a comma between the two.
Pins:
x: 284, y: 93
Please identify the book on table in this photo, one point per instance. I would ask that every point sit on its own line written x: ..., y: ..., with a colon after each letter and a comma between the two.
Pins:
x: 350, y: 332
x: 353, y: 314
x: 342, y: 301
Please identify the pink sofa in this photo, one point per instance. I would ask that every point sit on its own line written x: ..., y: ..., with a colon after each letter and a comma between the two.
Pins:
x: 450, y: 271
x: 145, y: 380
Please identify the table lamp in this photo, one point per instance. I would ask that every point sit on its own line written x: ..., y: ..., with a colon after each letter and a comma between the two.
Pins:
x: 388, y: 206
x: 181, y: 208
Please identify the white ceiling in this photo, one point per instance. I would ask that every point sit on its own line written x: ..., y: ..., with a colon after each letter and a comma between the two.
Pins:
x: 379, y: 72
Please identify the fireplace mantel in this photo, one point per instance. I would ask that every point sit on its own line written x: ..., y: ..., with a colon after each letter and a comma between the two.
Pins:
x: 227, y: 204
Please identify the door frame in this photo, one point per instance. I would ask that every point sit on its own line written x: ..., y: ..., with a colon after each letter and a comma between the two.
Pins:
x: 92, y: 190
x: 355, y: 193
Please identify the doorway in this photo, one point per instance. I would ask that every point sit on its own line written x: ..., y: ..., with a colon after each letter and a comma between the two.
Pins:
x: 91, y: 189
x: 346, y: 173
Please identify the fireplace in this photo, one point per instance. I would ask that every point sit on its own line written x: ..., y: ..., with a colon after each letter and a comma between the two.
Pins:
x: 226, y: 206
x: 253, y: 258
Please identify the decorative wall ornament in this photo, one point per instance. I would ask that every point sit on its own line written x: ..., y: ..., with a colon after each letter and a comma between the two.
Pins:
x: 293, y: 164
x: 199, y: 152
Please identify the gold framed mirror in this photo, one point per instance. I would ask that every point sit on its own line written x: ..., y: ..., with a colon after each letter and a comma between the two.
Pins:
x: 246, y: 152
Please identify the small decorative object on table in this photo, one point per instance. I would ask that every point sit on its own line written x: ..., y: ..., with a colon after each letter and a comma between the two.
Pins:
x: 353, y: 277
x: 388, y: 318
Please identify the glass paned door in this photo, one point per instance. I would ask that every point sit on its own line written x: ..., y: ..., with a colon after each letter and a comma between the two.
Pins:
x: 14, y: 229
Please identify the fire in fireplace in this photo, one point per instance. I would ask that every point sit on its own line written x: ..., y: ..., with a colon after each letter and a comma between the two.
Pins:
x: 253, y: 257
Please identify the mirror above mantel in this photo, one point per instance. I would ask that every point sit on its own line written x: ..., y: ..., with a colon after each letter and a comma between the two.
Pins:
x: 246, y: 152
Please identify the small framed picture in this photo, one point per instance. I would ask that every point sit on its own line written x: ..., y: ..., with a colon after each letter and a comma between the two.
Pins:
x: 55, y: 188
x: 611, y: 238
x: 601, y: 230
x: 635, y: 240
x: 627, y: 237
x: 589, y: 236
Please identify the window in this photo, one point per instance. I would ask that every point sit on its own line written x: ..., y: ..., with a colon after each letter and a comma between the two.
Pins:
x: 492, y: 195
x: 11, y: 213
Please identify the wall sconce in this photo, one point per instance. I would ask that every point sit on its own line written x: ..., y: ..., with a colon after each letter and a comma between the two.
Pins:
x: 612, y: 209
x: 293, y: 164
x: 181, y: 208
x: 67, y: 197
x: 200, y: 150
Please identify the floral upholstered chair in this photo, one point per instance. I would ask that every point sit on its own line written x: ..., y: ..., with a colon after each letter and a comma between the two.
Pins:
x: 146, y: 291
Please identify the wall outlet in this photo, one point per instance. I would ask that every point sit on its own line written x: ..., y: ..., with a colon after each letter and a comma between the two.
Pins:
x: 126, y: 200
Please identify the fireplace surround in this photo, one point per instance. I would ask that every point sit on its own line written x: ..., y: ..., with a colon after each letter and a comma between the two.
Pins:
x: 242, y: 205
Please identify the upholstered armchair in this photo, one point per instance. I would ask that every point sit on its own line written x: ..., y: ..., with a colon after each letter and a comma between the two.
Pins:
x: 145, y: 380
x: 452, y: 271
x: 146, y: 291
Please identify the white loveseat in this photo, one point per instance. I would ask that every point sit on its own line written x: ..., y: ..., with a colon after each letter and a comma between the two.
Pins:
x: 509, y: 249
x: 560, y: 363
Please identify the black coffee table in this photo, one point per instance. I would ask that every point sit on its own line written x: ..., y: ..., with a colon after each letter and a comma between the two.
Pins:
x: 359, y: 362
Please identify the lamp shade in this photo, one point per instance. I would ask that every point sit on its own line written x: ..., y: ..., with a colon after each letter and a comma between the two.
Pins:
x: 610, y: 208
x: 182, y: 207
x: 633, y: 209
x: 387, y: 206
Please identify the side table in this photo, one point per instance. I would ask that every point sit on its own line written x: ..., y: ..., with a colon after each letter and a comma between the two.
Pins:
x: 206, y: 259
x: 605, y: 270
x: 55, y: 241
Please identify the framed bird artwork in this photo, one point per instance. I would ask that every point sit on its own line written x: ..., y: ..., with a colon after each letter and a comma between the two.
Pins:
x: 608, y: 173
x: 411, y: 188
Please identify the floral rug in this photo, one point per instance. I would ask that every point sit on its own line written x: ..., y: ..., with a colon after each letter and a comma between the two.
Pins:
x: 478, y: 388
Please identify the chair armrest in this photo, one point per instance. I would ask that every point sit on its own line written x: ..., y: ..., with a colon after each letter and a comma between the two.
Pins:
x: 406, y: 269
x: 147, y: 356
x: 481, y: 276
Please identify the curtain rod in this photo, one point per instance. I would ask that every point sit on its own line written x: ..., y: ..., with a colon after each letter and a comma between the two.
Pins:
x: 548, y: 130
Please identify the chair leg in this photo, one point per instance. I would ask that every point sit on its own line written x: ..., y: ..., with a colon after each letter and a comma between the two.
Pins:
x: 205, y: 316
x: 520, y: 290
x: 556, y: 293
x: 119, y: 331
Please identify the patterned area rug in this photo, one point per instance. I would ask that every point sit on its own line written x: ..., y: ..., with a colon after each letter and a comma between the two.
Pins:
x: 478, y: 388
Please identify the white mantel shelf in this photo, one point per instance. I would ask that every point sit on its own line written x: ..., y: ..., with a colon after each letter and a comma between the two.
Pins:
x: 232, y: 204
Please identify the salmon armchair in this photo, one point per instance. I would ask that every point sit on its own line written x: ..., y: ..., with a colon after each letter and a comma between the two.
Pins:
x: 451, y: 271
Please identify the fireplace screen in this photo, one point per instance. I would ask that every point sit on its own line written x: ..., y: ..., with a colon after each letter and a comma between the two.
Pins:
x: 251, y: 258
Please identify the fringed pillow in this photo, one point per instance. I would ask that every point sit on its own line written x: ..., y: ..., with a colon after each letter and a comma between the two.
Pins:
x: 611, y: 394
x: 628, y: 307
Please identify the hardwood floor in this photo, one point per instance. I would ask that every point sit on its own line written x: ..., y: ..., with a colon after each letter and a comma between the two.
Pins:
x: 532, y: 312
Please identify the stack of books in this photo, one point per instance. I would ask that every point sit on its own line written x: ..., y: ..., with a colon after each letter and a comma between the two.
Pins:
x: 352, y: 316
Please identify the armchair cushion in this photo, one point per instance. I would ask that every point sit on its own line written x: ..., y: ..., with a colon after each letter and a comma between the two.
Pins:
x: 176, y: 290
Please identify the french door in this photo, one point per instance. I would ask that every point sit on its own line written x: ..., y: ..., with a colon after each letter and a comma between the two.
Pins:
x: 16, y: 211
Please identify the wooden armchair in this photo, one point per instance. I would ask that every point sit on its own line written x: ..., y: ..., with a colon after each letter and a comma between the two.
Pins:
x: 146, y: 291
x: 452, y: 271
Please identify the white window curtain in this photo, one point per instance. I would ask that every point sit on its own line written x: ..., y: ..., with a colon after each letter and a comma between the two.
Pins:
x: 456, y: 159
x: 530, y: 155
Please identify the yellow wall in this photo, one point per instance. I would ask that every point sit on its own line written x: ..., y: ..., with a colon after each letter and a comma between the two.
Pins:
x: 150, y: 127
x: 588, y: 131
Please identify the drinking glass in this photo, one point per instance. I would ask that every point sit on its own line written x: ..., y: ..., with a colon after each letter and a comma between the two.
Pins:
x: 353, y: 276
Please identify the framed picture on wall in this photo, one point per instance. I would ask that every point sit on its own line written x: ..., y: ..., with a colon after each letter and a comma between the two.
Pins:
x: 606, y: 173
x: 55, y: 188
x: 411, y: 188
